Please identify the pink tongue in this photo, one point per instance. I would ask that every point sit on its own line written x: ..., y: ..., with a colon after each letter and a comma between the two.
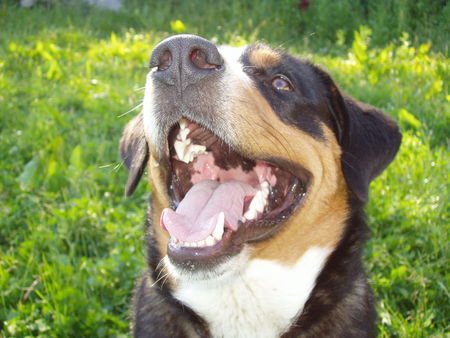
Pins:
x: 198, y: 213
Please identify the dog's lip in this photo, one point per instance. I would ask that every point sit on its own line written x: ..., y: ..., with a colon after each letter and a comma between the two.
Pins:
x: 232, y: 242
x: 191, y: 258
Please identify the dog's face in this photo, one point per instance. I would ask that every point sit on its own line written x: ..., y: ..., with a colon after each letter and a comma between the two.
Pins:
x: 251, y: 153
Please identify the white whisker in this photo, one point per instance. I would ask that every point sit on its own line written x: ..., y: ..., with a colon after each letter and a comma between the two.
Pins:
x: 132, y: 109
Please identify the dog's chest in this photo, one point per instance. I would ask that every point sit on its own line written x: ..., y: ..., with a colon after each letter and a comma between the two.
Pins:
x: 261, y: 301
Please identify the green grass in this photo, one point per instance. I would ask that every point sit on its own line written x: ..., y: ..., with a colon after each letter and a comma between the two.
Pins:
x: 71, y: 244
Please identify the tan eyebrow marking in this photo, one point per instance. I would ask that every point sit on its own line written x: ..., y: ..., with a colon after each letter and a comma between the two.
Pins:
x: 265, y: 57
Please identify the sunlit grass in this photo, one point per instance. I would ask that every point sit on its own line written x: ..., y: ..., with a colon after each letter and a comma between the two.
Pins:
x: 71, y: 244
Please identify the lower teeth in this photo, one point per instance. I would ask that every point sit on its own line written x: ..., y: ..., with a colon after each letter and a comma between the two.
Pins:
x: 209, y: 241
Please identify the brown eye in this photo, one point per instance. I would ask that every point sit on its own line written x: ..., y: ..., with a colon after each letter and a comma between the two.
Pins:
x: 281, y: 82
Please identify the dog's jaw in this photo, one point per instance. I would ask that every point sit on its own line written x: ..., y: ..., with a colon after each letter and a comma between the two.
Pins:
x: 228, y: 269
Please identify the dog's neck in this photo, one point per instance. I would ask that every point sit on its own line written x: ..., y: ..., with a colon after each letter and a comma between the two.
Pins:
x: 261, y: 300
x: 341, y: 304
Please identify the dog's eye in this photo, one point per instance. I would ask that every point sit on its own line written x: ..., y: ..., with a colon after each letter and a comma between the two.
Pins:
x: 281, y: 82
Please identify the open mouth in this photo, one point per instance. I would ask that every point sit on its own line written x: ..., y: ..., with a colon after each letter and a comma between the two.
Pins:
x: 222, y: 199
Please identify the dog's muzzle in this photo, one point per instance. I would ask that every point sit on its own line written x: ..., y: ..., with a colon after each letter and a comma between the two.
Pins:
x: 220, y: 199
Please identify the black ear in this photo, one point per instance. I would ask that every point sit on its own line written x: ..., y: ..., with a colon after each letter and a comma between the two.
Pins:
x: 369, y: 142
x: 134, y: 152
x: 369, y: 139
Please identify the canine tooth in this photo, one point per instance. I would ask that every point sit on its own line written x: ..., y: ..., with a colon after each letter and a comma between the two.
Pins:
x: 260, y: 206
x: 257, y: 204
x: 250, y: 214
x: 183, y: 123
x: 210, y: 241
x: 182, y: 135
x: 218, y: 230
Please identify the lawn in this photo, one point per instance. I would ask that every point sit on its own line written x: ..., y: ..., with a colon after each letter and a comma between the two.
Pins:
x: 72, y: 76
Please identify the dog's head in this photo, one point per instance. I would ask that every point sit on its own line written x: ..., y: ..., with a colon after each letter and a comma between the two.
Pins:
x: 251, y: 153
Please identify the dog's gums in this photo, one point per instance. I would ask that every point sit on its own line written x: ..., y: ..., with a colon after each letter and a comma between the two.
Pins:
x: 221, y: 198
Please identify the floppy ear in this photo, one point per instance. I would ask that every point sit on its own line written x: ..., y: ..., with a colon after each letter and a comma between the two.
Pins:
x: 134, y: 152
x: 369, y: 142
x: 368, y: 138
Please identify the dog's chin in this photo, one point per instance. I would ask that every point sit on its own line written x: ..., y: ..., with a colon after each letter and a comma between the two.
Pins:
x: 222, y: 201
x: 229, y: 267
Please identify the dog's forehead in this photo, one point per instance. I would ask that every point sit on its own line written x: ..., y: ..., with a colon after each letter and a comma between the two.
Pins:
x: 257, y: 55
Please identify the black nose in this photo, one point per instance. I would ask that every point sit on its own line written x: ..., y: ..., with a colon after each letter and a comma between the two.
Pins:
x: 183, y: 60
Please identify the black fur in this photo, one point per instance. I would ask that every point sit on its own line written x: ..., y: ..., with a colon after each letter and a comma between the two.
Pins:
x: 369, y: 143
x: 341, y: 304
x: 156, y: 312
x: 369, y: 138
x: 134, y: 152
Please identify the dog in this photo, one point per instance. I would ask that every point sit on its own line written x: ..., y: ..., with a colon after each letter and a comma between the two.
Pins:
x: 260, y: 168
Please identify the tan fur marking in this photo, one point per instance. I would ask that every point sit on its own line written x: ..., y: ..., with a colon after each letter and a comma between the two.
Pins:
x: 157, y: 178
x: 320, y: 219
x: 265, y: 57
x: 304, y: 230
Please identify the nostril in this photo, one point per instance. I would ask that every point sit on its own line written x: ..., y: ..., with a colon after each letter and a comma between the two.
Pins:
x: 165, y: 60
x: 199, y: 59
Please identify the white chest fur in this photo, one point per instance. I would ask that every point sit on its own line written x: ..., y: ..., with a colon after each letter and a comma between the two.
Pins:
x: 262, y: 300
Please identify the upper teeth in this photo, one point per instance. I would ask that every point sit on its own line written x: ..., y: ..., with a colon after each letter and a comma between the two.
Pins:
x: 186, y: 151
